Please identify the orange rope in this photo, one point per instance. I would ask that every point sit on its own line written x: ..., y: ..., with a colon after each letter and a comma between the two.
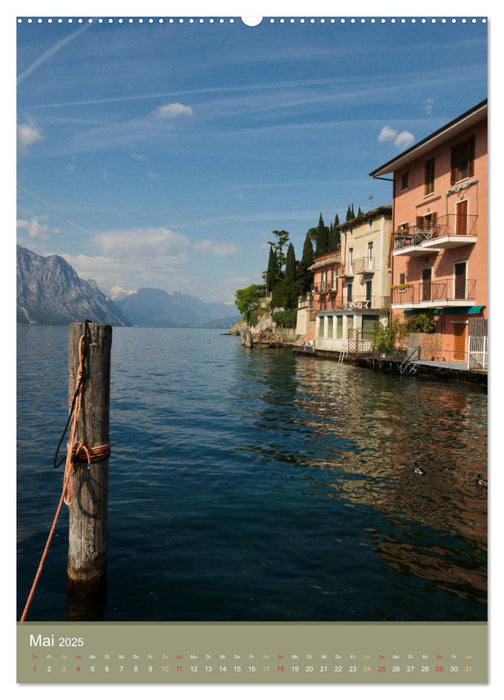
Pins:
x: 73, y: 449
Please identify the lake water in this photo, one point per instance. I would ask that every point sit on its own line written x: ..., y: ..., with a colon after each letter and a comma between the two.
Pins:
x: 260, y: 485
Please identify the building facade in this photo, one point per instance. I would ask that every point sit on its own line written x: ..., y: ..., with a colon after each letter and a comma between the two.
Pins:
x: 351, y: 290
x: 440, y: 246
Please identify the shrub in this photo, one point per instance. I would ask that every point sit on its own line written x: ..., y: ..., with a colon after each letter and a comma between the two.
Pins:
x: 286, y: 319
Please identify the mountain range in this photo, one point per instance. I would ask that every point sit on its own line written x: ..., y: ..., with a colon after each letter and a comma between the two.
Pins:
x: 49, y: 291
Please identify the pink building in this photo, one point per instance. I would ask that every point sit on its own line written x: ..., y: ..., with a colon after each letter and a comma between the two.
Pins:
x: 351, y: 287
x: 439, y: 243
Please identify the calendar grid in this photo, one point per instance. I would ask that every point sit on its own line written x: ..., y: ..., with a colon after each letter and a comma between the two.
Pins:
x: 252, y: 653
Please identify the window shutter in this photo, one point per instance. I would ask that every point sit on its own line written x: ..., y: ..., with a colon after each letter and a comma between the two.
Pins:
x: 454, y: 164
x: 472, y: 144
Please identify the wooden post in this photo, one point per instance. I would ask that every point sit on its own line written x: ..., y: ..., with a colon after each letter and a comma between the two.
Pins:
x: 87, y: 545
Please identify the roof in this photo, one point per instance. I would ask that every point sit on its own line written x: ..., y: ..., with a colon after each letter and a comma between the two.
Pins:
x: 457, y: 125
x: 385, y: 210
x: 326, y: 259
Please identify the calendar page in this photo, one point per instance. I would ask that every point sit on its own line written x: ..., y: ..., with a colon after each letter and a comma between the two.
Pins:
x: 252, y: 349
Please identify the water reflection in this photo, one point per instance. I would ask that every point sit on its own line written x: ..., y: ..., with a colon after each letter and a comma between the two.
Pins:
x: 356, y: 435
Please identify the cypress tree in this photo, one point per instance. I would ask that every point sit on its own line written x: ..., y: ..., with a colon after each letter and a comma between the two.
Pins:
x: 272, y: 271
x: 322, y: 237
x: 305, y: 276
x: 290, y: 264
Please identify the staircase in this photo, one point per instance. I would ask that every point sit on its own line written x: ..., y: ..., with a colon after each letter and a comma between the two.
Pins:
x: 409, y: 365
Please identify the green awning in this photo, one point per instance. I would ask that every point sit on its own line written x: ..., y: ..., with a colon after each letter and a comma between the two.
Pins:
x: 419, y: 311
x: 456, y: 310
x: 448, y: 310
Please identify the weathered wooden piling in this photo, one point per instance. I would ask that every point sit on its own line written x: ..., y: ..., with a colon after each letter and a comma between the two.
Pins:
x: 88, y: 507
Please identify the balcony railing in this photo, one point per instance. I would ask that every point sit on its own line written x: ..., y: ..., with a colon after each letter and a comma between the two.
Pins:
x: 373, y: 302
x: 440, y: 290
x: 448, y: 226
x: 359, y: 303
x: 360, y: 265
x: 323, y: 288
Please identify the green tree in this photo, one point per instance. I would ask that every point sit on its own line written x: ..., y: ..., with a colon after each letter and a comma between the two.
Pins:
x: 271, y: 276
x: 290, y: 264
x: 285, y: 295
x: 387, y: 337
x: 248, y: 301
x: 281, y: 239
x: 304, y: 274
x: 322, y: 238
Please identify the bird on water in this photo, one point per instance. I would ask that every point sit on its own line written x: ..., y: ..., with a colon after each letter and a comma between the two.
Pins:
x: 418, y: 469
x: 482, y: 481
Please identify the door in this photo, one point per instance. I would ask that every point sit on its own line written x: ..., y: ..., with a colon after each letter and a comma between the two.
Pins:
x: 459, y: 341
x: 462, y: 218
x: 426, y: 284
x: 460, y: 272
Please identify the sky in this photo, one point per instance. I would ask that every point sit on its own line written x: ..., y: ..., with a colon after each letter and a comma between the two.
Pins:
x: 164, y: 154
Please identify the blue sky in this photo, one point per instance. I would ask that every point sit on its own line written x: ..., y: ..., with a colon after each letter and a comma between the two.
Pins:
x: 165, y: 154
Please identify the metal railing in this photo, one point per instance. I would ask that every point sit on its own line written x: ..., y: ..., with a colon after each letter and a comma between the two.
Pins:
x: 360, y: 265
x: 447, y: 225
x: 363, y: 302
x: 356, y: 303
x: 439, y: 290
x: 477, y: 355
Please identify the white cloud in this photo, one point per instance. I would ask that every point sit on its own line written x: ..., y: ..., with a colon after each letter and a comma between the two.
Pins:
x: 142, y: 243
x: 401, y: 139
x: 27, y: 134
x: 404, y: 139
x: 135, y: 258
x: 174, y: 109
x: 387, y: 134
x: 221, y: 249
x: 429, y: 104
x: 37, y: 230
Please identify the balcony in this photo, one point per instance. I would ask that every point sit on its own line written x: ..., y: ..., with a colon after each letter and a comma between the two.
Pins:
x: 305, y: 304
x: 359, y: 303
x: 446, y: 291
x: 324, y: 288
x: 449, y: 231
x: 360, y: 266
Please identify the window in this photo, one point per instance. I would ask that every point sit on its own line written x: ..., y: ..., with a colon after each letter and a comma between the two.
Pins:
x: 369, y: 262
x: 369, y: 290
x: 404, y: 181
x: 339, y: 327
x: 349, y: 291
x: 329, y: 326
x: 429, y: 176
x: 402, y: 278
x: 462, y: 160
x: 426, y: 225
